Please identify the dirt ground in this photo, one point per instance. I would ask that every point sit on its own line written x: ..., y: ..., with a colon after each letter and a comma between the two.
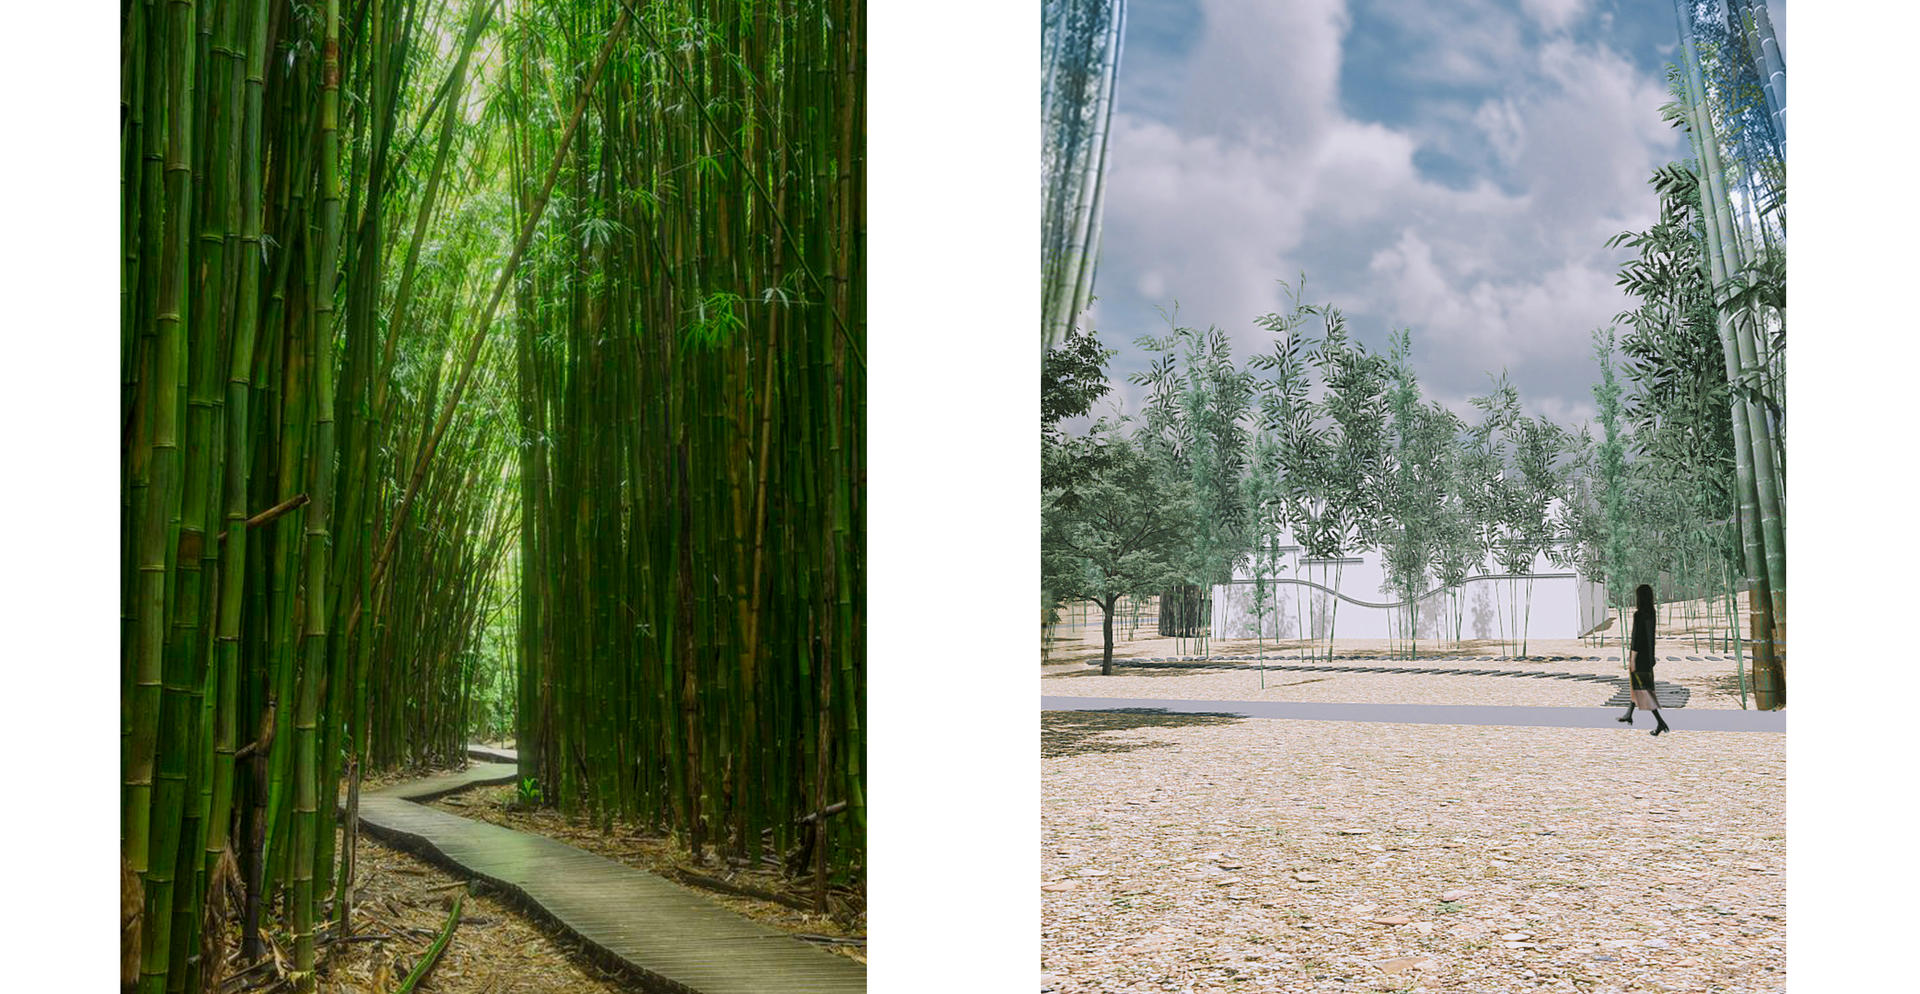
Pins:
x: 403, y: 905
x: 1195, y: 853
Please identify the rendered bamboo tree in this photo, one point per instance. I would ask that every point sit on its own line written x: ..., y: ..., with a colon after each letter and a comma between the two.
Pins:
x: 1080, y: 64
x: 1354, y: 408
x: 1759, y: 462
x: 1492, y: 497
x: 1579, y: 518
x: 1286, y: 418
x: 1612, y: 482
x: 1267, y: 522
x: 1215, y: 402
x: 1416, y: 486
x: 1456, y: 549
x: 1169, y: 434
x: 1539, y: 450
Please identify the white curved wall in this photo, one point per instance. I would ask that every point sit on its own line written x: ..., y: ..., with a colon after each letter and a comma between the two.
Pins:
x: 1489, y: 607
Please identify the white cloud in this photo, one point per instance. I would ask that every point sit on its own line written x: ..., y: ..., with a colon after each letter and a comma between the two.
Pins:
x: 1487, y: 319
x: 1499, y: 121
x: 1264, y: 175
x: 1469, y: 42
x: 1555, y: 15
x: 1264, y: 72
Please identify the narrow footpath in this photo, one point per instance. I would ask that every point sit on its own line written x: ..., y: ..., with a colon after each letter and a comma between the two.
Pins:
x: 666, y: 936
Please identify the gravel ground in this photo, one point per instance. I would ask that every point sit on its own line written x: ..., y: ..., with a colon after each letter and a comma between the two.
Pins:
x: 1216, y: 854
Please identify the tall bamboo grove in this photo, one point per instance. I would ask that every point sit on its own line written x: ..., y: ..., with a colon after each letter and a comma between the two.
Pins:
x: 691, y: 404
x: 364, y: 246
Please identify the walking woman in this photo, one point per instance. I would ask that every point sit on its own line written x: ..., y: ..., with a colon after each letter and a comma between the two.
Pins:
x: 1640, y: 644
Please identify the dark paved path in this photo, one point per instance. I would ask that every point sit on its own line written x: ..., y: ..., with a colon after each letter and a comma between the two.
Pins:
x: 1670, y: 695
x: 671, y: 938
x: 1692, y: 720
x: 489, y: 754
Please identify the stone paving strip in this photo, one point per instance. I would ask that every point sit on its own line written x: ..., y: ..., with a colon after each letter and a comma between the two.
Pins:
x: 666, y: 936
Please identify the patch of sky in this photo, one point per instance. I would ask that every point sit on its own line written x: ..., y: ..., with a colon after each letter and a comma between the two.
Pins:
x: 1160, y: 38
x: 1641, y: 30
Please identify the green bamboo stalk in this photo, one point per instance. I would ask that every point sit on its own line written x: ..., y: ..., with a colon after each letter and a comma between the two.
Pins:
x: 1765, y: 542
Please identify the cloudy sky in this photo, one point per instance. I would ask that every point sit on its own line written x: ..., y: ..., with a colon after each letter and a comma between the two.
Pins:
x: 1450, y: 166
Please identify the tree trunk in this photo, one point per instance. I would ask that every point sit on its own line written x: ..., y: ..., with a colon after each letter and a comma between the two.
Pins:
x: 1106, y: 631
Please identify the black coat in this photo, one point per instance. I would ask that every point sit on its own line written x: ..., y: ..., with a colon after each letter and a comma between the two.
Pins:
x: 1641, y: 642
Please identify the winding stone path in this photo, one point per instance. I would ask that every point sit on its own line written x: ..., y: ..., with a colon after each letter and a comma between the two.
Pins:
x: 667, y: 937
x: 1698, y: 720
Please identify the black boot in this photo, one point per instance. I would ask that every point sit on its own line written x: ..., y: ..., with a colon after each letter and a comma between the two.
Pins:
x: 1628, y: 717
x: 1662, y: 727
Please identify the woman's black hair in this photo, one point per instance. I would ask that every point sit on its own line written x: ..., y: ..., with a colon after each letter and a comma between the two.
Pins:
x: 1643, y: 599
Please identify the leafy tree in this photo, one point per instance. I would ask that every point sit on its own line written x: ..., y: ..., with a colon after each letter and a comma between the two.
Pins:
x: 1118, y: 530
x: 1073, y: 377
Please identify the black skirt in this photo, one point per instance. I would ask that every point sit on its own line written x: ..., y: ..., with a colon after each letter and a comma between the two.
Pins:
x: 1642, y: 680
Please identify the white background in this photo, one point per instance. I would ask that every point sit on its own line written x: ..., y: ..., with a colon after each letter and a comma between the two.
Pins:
x: 953, y: 288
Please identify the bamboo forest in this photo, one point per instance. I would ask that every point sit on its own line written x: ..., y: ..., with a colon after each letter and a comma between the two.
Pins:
x: 1326, y: 446
x: 1376, y: 590
x: 492, y: 487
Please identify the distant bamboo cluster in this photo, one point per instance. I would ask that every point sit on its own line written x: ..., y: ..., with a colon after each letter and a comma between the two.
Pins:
x: 692, y: 409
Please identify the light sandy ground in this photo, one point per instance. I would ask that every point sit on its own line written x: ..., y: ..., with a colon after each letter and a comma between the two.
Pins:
x: 1075, y: 671
x: 1216, y: 854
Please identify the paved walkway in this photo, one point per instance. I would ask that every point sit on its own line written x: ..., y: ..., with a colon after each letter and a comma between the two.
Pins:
x: 1692, y: 720
x: 669, y: 937
x: 1670, y: 695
